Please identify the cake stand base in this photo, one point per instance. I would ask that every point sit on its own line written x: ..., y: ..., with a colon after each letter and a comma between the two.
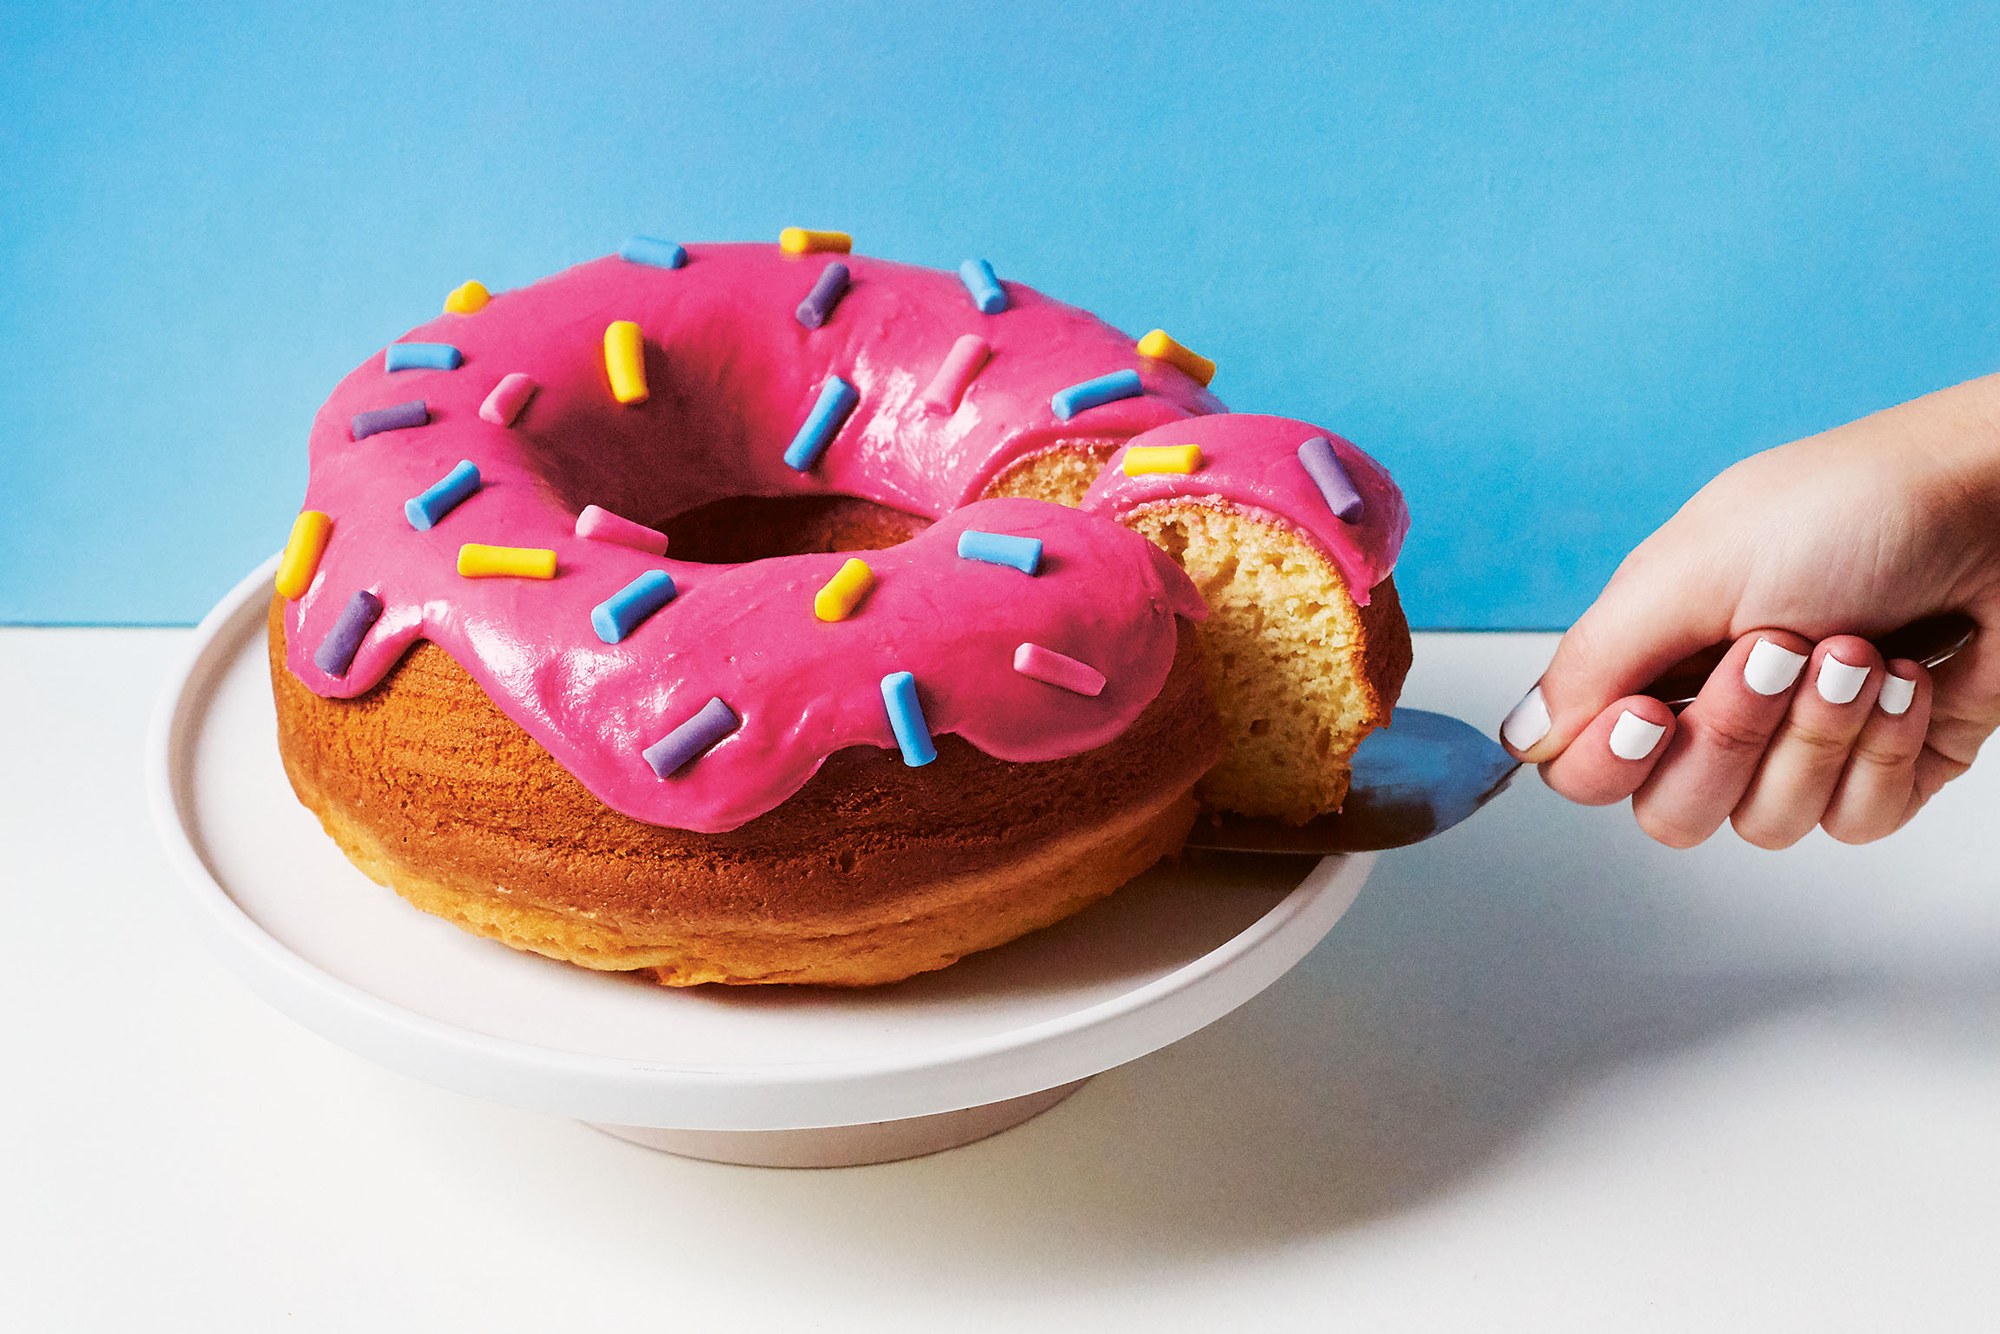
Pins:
x: 847, y: 1146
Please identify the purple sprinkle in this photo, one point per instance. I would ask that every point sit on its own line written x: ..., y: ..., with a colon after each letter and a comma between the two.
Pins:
x: 397, y: 417
x: 692, y: 738
x: 336, y: 652
x: 825, y: 295
x: 1331, y: 478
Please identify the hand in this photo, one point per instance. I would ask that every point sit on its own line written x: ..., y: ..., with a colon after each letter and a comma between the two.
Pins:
x: 1792, y: 554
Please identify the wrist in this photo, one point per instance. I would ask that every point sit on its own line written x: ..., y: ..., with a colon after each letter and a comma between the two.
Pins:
x: 1964, y: 449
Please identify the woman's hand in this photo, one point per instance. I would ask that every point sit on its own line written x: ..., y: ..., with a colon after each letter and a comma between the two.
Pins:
x: 1793, y: 554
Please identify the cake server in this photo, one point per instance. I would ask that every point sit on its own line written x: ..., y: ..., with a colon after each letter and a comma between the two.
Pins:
x: 1428, y: 771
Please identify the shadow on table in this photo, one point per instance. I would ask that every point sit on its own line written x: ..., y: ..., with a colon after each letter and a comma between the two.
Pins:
x: 1481, y: 981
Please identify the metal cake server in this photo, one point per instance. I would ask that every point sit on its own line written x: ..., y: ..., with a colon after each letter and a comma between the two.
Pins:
x: 1428, y: 771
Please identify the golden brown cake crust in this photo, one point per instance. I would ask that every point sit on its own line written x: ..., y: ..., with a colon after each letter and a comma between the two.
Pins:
x: 871, y: 872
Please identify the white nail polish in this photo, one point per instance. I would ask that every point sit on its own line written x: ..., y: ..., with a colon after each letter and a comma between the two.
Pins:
x: 1633, y: 738
x: 1839, y: 682
x: 1771, y: 668
x: 1528, y: 723
x: 1897, y: 695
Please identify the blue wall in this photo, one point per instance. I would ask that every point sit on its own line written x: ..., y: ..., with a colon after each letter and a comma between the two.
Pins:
x: 1554, y: 267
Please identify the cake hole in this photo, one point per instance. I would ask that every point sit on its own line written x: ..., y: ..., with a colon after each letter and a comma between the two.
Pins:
x: 746, y: 528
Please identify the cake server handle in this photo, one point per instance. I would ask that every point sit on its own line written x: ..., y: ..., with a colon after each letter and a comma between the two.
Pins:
x: 1428, y: 771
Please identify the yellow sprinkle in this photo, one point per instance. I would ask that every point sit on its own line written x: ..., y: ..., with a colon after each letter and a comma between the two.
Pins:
x: 467, y: 297
x: 1162, y: 348
x: 799, y: 241
x: 836, y: 601
x: 1161, y: 458
x: 625, y: 361
x: 479, y: 561
x: 302, y: 552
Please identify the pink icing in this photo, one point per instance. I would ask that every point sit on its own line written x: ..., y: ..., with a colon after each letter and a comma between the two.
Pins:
x: 1252, y: 462
x: 732, y: 375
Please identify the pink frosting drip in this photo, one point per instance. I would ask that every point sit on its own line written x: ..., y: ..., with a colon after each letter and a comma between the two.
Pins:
x: 732, y: 374
x: 1252, y: 462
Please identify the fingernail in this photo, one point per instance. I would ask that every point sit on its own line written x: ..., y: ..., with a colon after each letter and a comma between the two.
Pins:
x: 1528, y: 723
x: 1771, y: 668
x: 1633, y: 738
x: 1839, y: 682
x: 1897, y: 694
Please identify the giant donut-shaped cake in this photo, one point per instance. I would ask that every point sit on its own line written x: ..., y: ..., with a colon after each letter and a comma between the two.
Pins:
x: 508, y: 697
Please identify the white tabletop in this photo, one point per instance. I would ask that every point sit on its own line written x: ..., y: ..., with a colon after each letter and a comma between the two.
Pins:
x: 1544, y: 1075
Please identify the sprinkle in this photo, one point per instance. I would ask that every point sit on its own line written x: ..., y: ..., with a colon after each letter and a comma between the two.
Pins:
x: 987, y: 293
x: 397, y: 417
x: 965, y: 360
x: 653, y: 251
x: 444, y: 496
x: 1095, y: 393
x: 335, y: 653
x: 467, y: 298
x: 620, y: 614
x: 1058, y: 669
x: 906, y: 719
x: 692, y: 739
x: 625, y: 361
x: 504, y: 404
x: 1160, y: 347
x: 421, y: 357
x: 1021, y: 553
x: 476, y: 560
x: 825, y: 295
x: 1141, y: 459
x: 800, y: 241
x: 601, y: 525
x: 1330, y: 476
x: 303, y: 549
x: 836, y: 400
x: 843, y: 593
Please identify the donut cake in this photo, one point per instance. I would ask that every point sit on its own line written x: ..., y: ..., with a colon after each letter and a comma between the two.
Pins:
x: 749, y: 613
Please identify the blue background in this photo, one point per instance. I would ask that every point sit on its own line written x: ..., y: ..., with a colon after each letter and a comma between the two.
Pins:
x: 1555, y: 265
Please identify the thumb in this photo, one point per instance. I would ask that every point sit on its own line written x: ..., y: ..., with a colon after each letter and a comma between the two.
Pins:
x: 1649, y: 617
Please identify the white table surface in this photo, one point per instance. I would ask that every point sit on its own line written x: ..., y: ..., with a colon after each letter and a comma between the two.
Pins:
x: 1544, y: 1076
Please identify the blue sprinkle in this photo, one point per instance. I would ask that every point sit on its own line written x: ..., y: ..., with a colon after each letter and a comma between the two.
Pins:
x: 335, y: 653
x: 825, y: 295
x: 421, y: 357
x: 692, y: 738
x: 906, y: 719
x: 651, y: 250
x: 1096, y: 393
x: 619, y: 615
x: 1022, y: 553
x: 987, y: 293
x: 836, y: 400
x: 396, y: 417
x: 1330, y: 476
x: 444, y: 496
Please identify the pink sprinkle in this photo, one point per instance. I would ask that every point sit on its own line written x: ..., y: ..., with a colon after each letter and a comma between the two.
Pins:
x: 967, y: 356
x: 601, y: 525
x: 1058, y: 669
x: 504, y: 404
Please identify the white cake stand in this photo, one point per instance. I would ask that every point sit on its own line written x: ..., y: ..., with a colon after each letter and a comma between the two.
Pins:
x: 778, y: 1076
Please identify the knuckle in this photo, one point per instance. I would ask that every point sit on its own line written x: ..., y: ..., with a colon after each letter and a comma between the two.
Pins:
x: 1672, y: 830
x: 1728, y: 734
x: 1815, y: 740
x: 1893, y: 752
x: 1851, y: 829
x: 1762, y: 831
